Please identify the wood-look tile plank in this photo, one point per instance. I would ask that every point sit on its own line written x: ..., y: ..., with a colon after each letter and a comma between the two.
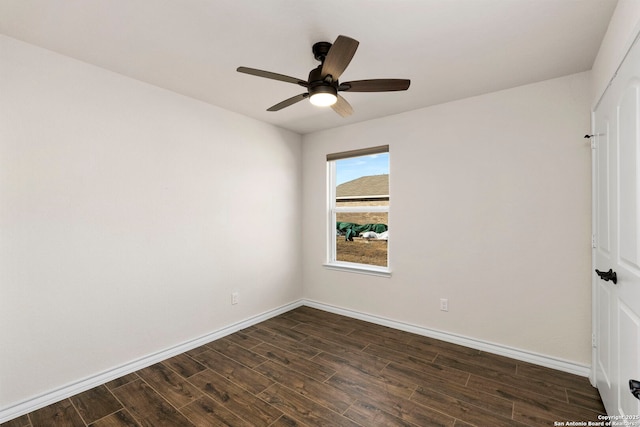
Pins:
x: 427, y: 344
x: 237, y: 352
x: 422, y: 415
x: 361, y: 385
x: 184, y: 365
x: 125, y: 379
x: 552, y: 376
x: 587, y: 399
x: 460, y: 423
x: 411, y: 363
x: 335, y: 322
x: 587, y: 391
x: 319, y: 316
x: 363, y: 325
x: 368, y: 414
x: 324, y: 345
x: 390, y: 396
x: 279, y: 323
x: 313, y: 315
x: 243, y: 339
x: 320, y: 392
x: 291, y: 345
x: 415, y: 378
x: 530, y: 405
x: 234, y: 371
x: 281, y: 331
x: 461, y: 409
x: 95, y: 403
x: 271, y: 337
x: 398, y: 355
x: 309, y: 314
x: 501, y: 374
x: 60, y: 414
x: 250, y: 329
x: 148, y: 407
x: 207, y: 412
x: 408, y: 350
x: 480, y: 362
x: 506, y: 391
x: 408, y: 411
x: 194, y: 352
x: 478, y: 365
x: 537, y: 415
x: 525, y: 383
x: 459, y: 390
x: 363, y: 362
x: 235, y: 398
x: 302, y: 315
x: 383, y: 336
x: 119, y: 419
x: 22, y: 421
x: 355, y: 343
x: 174, y: 388
x: 292, y: 361
x: 304, y: 409
x: 495, y: 361
x: 381, y: 330
x: 283, y: 326
x: 287, y: 421
x: 341, y: 327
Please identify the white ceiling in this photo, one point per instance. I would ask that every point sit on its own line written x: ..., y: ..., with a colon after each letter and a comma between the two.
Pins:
x: 450, y: 49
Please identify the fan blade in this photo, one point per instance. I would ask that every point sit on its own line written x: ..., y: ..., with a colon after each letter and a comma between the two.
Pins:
x: 342, y: 107
x: 375, y: 85
x: 288, y: 102
x: 274, y: 76
x: 339, y: 56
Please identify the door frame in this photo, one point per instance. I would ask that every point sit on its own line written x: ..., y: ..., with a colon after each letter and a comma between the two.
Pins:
x: 594, y: 229
x: 595, y: 338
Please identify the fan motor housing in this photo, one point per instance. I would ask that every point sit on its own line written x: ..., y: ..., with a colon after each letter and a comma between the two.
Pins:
x: 317, y: 79
x: 318, y: 84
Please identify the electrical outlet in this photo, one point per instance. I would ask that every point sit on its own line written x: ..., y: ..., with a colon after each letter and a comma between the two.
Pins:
x: 444, y: 304
x: 234, y: 298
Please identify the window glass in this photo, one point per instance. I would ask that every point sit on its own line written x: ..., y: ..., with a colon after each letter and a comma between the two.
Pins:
x: 359, y: 211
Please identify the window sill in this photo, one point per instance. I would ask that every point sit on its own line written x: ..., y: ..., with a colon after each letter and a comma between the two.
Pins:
x: 359, y: 268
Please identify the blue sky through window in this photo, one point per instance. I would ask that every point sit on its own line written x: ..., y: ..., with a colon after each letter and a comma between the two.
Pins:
x: 355, y: 167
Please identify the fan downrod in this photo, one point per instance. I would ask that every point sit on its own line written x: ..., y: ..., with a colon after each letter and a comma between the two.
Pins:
x: 320, y: 50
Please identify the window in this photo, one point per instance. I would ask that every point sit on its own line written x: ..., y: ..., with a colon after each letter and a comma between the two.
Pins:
x: 358, y: 210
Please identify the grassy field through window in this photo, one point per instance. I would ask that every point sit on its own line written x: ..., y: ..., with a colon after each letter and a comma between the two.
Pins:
x: 360, y: 250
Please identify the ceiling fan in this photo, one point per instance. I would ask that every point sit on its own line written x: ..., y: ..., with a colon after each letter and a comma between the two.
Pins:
x: 323, y: 85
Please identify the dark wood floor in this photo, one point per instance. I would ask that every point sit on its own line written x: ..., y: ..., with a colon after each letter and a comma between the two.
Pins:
x: 312, y: 368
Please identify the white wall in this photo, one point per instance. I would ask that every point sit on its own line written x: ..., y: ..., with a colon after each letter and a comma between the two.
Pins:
x: 490, y: 208
x: 128, y: 215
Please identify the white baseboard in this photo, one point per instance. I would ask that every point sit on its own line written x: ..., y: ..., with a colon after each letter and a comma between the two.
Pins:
x: 501, y: 350
x: 74, y: 388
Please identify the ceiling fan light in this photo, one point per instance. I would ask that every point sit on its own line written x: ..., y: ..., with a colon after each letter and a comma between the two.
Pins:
x: 323, y: 99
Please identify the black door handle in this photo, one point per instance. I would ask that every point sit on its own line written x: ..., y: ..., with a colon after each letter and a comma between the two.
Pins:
x: 608, y: 275
x: 635, y: 388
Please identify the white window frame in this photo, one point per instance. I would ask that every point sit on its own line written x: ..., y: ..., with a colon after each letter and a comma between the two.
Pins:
x: 332, y: 263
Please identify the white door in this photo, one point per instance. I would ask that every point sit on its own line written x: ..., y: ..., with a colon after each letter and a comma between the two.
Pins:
x: 616, y: 125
